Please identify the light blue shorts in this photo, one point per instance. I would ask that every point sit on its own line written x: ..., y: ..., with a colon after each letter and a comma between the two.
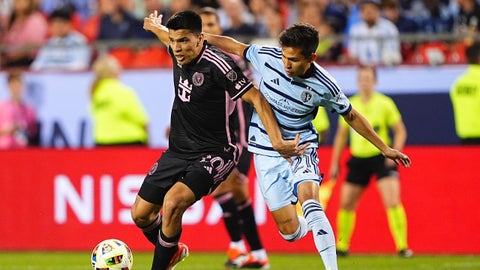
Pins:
x: 278, y: 179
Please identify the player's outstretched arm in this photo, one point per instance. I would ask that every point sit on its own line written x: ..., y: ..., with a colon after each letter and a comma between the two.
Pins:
x: 154, y: 24
x: 227, y: 44
x: 286, y: 148
x: 361, y: 125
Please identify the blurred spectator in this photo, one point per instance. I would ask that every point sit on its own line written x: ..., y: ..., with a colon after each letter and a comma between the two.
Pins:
x: 392, y: 11
x: 5, y: 10
x: 465, y: 96
x: 177, y: 6
x: 26, y: 31
x: 117, y: 23
x: 437, y: 19
x: 258, y: 9
x: 353, y: 15
x: 18, y: 123
x: 469, y: 14
x: 374, y: 40
x: 273, y: 21
x: 468, y: 18
x: 310, y: 12
x: 135, y: 7
x: 66, y: 49
x: 205, y: 3
x: 329, y: 49
x: 84, y: 8
x: 336, y: 9
x: 152, y: 5
x: 118, y: 115
x: 238, y: 21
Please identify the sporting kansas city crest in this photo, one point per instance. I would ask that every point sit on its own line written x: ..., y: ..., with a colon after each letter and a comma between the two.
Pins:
x: 306, y: 95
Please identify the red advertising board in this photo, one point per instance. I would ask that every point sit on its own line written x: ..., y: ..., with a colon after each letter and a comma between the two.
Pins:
x: 72, y: 199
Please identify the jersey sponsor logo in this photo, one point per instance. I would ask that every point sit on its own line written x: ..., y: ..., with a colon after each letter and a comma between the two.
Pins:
x: 283, y: 104
x: 253, y: 138
x: 306, y: 95
x: 276, y: 81
x: 240, y: 83
x: 232, y: 75
x: 184, y: 90
x: 198, y: 79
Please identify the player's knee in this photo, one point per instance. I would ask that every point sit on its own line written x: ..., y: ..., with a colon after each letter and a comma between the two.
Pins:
x: 292, y: 234
x: 175, y: 204
x: 139, y: 219
x: 144, y: 213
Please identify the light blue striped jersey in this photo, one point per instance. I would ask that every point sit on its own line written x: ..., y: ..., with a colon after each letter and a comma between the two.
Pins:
x: 293, y: 100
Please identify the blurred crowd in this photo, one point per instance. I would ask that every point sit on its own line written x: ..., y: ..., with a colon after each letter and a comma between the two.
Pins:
x: 71, y: 34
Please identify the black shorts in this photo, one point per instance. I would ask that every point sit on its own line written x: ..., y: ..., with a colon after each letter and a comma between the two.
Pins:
x: 244, y: 161
x: 361, y: 170
x: 202, y: 175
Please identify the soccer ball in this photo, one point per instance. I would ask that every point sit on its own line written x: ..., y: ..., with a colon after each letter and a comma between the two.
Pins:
x: 112, y: 254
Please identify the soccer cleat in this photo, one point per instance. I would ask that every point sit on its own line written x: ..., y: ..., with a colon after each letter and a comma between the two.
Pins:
x: 179, y: 256
x: 405, y: 253
x: 252, y: 262
x: 236, y: 258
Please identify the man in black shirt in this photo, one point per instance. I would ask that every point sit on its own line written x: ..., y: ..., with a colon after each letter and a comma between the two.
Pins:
x: 202, y: 146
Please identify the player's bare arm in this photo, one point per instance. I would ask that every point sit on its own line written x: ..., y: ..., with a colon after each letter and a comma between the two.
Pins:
x: 287, y: 148
x: 227, y: 44
x: 361, y: 125
x: 153, y: 23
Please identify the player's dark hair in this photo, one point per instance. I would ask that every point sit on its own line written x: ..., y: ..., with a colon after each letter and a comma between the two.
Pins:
x: 473, y: 53
x: 300, y: 35
x: 187, y: 19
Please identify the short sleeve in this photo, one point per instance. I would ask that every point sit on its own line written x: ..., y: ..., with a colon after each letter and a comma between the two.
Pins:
x: 336, y: 102
x: 259, y: 55
x: 230, y: 76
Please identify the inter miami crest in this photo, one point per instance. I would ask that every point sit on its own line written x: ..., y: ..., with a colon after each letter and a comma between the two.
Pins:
x: 197, y: 79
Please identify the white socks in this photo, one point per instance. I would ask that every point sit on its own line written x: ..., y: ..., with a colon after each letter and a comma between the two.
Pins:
x: 322, y: 232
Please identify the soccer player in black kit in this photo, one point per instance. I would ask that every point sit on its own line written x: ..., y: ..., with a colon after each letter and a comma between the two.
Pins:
x: 202, y: 148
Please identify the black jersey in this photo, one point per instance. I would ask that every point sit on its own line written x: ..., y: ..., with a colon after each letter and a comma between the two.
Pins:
x: 205, y: 91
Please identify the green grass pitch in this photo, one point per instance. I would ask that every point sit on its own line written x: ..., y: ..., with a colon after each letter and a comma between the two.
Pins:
x: 211, y: 261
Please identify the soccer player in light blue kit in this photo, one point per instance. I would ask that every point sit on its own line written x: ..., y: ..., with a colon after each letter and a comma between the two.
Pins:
x: 295, y: 86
